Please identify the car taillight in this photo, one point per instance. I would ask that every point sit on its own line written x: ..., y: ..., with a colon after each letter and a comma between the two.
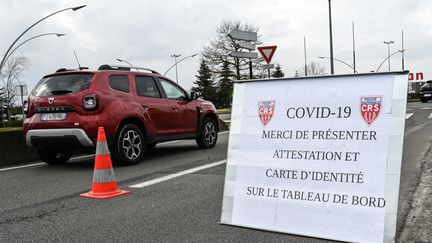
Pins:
x: 90, y: 102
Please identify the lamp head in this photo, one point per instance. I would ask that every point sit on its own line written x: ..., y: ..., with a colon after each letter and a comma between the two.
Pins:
x: 79, y: 7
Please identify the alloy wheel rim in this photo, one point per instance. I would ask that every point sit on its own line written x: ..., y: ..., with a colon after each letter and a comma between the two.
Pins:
x: 210, y: 133
x: 132, y: 145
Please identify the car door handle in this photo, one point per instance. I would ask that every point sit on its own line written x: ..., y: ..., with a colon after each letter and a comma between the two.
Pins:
x: 145, y: 107
x: 174, y: 107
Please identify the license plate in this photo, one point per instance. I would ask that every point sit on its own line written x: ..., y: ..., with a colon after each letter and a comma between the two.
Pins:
x: 53, y: 116
x: 427, y: 95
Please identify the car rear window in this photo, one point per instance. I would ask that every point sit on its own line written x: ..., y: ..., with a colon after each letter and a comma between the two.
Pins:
x: 63, y: 84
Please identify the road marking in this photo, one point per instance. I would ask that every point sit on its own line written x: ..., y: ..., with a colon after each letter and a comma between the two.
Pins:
x: 175, y: 175
x: 426, y: 108
x: 82, y: 157
x: 22, y: 166
x: 408, y: 115
x: 79, y: 157
x: 430, y: 116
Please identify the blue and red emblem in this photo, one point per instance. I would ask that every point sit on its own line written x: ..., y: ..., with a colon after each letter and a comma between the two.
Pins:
x: 266, y: 111
x: 370, y: 107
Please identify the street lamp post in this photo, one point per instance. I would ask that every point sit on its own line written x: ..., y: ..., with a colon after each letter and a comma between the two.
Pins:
x: 354, y: 55
x: 388, y: 58
x: 120, y: 60
x: 350, y: 66
x: 305, y: 61
x: 29, y: 39
x: 331, y: 40
x: 31, y: 26
x: 388, y: 43
x: 175, y: 64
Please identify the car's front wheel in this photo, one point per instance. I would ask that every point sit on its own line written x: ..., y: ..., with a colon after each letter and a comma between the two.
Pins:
x: 129, y: 145
x: 208, y: 135
x: 150, y: 146
x: 424, y: 100
x: 54, y: 156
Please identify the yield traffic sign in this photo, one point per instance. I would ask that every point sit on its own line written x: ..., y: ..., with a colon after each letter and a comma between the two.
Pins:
x: 267, y: 52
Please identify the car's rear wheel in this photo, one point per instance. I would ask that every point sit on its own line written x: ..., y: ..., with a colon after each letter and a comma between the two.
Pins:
x: 424, y: 100
x: 54, y: 156
x: 129, y: 145
x: 208, y: 135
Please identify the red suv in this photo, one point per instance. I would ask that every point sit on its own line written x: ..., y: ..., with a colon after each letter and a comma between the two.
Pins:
x: 138, y: 109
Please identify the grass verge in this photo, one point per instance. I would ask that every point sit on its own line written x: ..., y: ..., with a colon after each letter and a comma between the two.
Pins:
x: 10, y: 129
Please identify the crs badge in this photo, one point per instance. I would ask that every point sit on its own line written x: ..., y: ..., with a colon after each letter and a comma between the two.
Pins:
x: 266, y: 111
x: 370, y: 107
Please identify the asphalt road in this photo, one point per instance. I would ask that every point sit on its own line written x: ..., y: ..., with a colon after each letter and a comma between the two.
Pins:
x: 42, y: 203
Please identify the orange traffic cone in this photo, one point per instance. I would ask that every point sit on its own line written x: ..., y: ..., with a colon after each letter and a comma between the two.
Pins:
x: 104, y: 183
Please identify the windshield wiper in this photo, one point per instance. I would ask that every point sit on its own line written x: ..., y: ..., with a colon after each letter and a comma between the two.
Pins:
x: 61, y: 91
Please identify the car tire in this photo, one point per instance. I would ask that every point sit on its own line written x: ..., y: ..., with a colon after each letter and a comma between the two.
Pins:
x: 53, y: 156
x: 128, y: 147
x: 424, y: 100
x: 150, y: 146
x: 208, y: 134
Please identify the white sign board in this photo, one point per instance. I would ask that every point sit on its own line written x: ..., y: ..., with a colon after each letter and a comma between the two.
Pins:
x: 20, y: 88
x: 251, y: 55
x: 243, y: 35
x: 246, y: 45
x: 317, y: 156
x: 267, y: 66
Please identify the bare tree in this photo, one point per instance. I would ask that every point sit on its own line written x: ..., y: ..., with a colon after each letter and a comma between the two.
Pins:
x: 11, y: 73
x: 217, y: 52
x: 313, y: 69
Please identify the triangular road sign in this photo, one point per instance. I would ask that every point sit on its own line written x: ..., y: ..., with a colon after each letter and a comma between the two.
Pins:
x: 267, y: 52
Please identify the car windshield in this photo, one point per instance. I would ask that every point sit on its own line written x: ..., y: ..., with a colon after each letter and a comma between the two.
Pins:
x: 63, y: 84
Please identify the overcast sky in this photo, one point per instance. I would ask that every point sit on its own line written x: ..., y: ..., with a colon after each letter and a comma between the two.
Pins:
x: 146, y: 32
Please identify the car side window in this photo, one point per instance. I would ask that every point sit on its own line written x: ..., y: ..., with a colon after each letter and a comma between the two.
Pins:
x: 146, y: 86
x: 172, y: 91
x: 119, y: 82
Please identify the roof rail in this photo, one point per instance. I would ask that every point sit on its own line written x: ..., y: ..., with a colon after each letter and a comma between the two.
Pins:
x: 126, y: 68
x: 67, y: 69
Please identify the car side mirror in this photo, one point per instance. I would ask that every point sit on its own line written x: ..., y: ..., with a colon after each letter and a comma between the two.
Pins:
x: 193, y: 95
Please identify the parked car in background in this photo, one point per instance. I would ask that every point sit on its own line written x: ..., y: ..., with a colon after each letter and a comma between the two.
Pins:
x: 426, y: 91
x: 138, y: 109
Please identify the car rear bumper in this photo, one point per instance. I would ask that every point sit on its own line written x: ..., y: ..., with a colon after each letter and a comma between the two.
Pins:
x: 74, y: 137
x: 426, y: 94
